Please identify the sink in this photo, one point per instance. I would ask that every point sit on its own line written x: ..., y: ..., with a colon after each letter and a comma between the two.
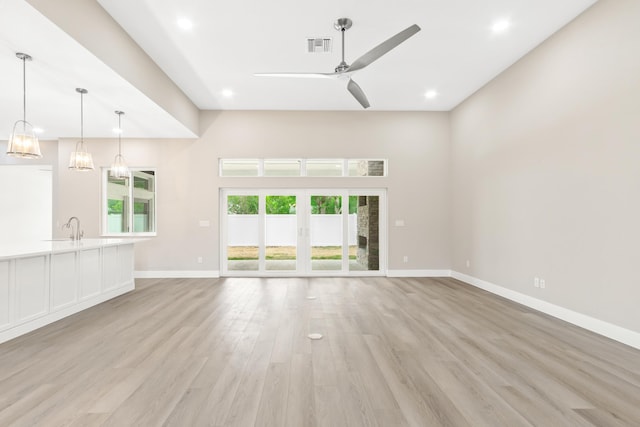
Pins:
x: 58, y: 240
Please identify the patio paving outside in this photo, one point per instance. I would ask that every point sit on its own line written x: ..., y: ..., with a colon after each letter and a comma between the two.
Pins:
x: 282, y: 258
x: 290, y: 265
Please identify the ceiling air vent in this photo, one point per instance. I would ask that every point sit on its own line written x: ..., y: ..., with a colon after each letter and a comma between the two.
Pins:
x: 319, y: 45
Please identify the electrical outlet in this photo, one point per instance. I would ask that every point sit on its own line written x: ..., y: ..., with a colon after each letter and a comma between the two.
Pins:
x: 536, y: 282
x: 199, y: 260
x: 468, y: 263
x: 542, y: 284
x: 405, y: 258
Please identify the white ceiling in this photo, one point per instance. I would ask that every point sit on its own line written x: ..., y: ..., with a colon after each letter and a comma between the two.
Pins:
x: 455, y: 54
x: 59, y: 66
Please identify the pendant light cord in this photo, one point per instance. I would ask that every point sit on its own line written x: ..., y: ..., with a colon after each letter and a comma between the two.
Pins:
x: 24, y: 92
x: 120, y: 134
x: 81, y: 117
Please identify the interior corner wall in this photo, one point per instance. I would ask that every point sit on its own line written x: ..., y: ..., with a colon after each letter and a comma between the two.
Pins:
x: 416, y: 145
x: 545, y: 170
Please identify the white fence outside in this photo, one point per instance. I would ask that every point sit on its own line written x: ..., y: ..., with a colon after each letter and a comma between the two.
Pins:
x: 282, y: 230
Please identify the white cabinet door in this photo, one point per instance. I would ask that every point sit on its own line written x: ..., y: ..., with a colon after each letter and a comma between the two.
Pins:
x: 90, y: 273
x: 125, y: 264
x: 5, y: 294
x: 32, y: 290
x: 109, y: 268
x: 64, y: 280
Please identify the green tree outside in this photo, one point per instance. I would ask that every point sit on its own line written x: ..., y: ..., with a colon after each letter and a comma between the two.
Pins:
x: 285, y: 205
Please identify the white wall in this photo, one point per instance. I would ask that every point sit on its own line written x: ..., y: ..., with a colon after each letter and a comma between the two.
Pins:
x: 34, y: 218
x: 26, y: 196
x: 546, y: 170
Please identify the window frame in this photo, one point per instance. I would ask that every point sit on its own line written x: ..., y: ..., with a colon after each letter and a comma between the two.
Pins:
x: 131, y: 210
x: 303, y: 173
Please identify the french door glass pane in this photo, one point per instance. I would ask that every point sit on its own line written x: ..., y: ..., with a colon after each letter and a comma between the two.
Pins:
x: 281, y: 233
x: 243, y: 233
x: 326, y: 232
x: 364, y: 233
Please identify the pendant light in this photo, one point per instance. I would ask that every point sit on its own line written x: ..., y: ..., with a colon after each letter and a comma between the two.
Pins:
x: 22, y: 141
x: 119, y: 169
x: 81, y: 159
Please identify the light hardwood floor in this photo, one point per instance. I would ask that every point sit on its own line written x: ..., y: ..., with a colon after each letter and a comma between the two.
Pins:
x: 395, y: 352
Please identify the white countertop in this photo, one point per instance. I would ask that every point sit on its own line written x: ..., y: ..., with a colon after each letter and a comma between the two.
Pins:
x: 24, y: 249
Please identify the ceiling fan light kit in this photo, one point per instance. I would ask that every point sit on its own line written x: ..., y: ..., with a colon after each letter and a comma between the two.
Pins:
x: 345, y: 70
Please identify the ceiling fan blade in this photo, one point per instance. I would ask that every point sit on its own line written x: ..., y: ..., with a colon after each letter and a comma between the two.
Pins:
x: 383, y: 48
x: 357, y: 93
x: 299, y: 75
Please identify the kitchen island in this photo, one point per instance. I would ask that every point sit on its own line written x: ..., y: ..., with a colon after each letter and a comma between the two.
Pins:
x: 41, y: 282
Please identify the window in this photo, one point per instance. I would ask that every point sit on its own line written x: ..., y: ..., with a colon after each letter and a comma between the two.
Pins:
x: 239, y: 167
x: 322, y: 167
x: 302, y: 167
x: 366, y: 167
x: 129, y: 204
x: 273, y: 167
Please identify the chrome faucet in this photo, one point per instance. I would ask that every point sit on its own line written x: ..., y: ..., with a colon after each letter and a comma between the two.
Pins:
x: 76, y: 234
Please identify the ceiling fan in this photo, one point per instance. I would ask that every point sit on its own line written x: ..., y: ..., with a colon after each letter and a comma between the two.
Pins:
x: 344, y: 70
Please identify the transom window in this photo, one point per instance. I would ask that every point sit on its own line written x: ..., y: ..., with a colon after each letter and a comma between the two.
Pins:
x: 302, y: 167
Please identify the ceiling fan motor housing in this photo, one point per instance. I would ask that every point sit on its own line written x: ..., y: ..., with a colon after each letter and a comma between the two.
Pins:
x: 343, y: 24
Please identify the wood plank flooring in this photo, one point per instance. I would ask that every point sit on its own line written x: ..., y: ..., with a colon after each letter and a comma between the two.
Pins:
x: 395, y: 352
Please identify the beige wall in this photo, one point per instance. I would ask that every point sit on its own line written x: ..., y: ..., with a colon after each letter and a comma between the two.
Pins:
x: 416, y: 145
x: 546, y: 170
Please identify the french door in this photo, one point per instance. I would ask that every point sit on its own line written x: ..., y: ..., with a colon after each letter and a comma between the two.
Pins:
x: 294, y: 232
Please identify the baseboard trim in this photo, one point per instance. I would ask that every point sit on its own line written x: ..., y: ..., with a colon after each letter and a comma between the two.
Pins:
x: 609, y: 330
x: 204, y: 274
x: 418, y: 273
x: 176, y: 274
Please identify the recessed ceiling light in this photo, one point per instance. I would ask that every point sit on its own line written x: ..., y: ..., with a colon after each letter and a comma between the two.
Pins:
x: 117, y: 130
x: 431, y: 94
x: 500, y: 26
x: 38, y: 130
x: 185, y: 24
x: 227, y: 93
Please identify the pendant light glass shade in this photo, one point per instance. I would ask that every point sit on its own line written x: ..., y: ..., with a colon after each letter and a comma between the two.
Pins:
x: 119, y: 169
x: 81, y: 159
x: 23, y: 142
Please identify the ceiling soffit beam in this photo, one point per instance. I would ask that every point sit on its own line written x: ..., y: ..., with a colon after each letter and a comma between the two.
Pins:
x: 91, y: 26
